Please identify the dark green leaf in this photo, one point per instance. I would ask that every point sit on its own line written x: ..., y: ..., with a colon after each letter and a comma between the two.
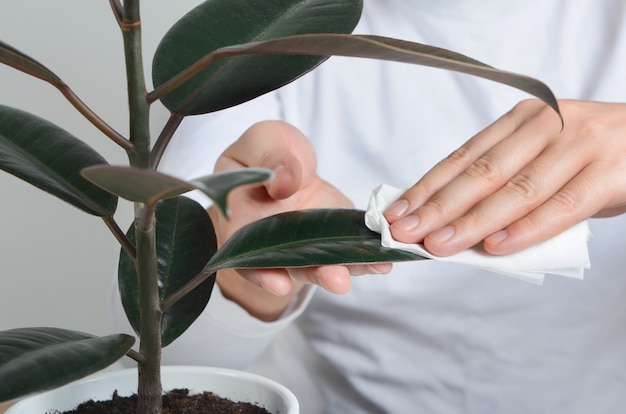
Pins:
x: 18, y: 60
x: 217, y: 186
x: 149, y: 187
x: 38, y: 359
x: 215, y: 24
x: 50, y: 158
x: 305, y: 238
x: 383, y: 48
x: 134, y: 184
x: 185, y: 242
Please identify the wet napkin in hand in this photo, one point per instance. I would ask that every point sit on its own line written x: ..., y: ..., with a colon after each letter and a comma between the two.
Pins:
x: 564, y: 255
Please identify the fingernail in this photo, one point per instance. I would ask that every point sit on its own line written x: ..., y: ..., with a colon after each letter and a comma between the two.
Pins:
x: 397, y: 208
x: 277, y: 169
x: 498, y: 236
x: 442, y: 235
x: 407, y: 223
x: 379, y: 268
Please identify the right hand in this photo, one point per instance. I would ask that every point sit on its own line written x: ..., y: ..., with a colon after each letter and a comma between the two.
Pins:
x: 282, y: 148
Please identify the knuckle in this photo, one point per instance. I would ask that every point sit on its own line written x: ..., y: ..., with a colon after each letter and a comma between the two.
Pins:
x: 485, y: 169
x: 522, y: 186
x: 460, y: 156
x: 568, y: 202
x: 437, y: 207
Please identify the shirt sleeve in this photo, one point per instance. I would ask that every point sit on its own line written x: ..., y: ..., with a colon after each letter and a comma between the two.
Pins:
x: 226, y: 335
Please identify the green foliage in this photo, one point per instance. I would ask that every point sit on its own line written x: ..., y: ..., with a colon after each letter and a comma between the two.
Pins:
x: 185, y: 242
x: 222, y: 53
x: 39, y: 359
x: 50, y: 158
x: 305, y: 238
x: 216, y: 23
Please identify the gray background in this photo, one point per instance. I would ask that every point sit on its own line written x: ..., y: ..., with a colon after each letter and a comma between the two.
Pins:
x: 57, y: 263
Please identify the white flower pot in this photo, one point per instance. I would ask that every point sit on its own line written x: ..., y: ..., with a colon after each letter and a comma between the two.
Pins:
x: 232, y: 384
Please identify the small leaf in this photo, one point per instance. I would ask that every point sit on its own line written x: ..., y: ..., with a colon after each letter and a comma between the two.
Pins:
x: 215, y: 24
x: 147, y: 186
x: 50, y: 158
x: 185, y: 241
x: 305, y: 238
x: 38, y: 359
x: 217, y: 186
x: 383, y: 48
x: 134, y: 184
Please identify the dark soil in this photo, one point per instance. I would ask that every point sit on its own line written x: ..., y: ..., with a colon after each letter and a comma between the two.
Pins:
x: 174, y: 402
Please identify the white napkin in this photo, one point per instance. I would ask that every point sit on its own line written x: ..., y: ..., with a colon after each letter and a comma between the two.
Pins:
x: 564, y: 255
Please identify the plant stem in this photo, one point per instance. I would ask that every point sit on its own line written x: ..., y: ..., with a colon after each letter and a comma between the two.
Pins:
x: 164, y: 139
x: 149, y: 391
x: 139, y: 108
x: 121, y: 237
x: 94, y: 119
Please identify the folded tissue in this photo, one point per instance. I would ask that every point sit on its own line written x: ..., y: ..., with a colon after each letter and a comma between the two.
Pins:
x: 566, y: 254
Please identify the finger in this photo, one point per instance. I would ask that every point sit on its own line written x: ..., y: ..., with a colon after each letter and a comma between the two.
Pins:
x: 333, y: 278
x: 459, y: 160
x: 275, y: 281
x: 581, y: 198
x: 482, y: 178
x: 277, y: 146
x: 524, y: 192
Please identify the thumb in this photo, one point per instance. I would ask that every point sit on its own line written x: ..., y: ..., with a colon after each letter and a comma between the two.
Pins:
x: 277, y: 146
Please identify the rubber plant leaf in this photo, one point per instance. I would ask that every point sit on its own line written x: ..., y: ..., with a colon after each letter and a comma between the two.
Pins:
x: 305, y: 238
x: 216, y: 23
x: 373, y: 47
x: 51, y: 159
x: 146, y: 186
x: 185, y: 241
x: 38, y: 359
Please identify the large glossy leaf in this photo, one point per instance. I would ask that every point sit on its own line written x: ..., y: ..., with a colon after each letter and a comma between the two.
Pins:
x: 217, y: 23
x: 185, y: 242
x: 50, y: 158
x: 305, y: 238
x: 375, y: 47
x: 147, y: 186
x: 39, y: 359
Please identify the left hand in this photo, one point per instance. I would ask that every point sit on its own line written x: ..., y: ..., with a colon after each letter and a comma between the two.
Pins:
x: 520, y: 181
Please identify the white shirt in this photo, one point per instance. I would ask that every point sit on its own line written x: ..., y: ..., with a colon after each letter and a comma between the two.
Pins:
x: 433, y: 337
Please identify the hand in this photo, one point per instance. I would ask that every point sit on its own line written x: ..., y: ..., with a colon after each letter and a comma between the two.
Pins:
x: 520, y: 181
x: 285, y: 150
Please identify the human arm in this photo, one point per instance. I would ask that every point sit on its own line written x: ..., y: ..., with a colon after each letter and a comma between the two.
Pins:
x: 520, y: 181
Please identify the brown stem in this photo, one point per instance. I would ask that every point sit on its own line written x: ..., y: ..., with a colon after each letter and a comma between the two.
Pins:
x: 118, y: 10
x: 184, y: 290
x: 164, y: 139
x: 128, y: 247
x: 95, y: 119
x: 136, y: 356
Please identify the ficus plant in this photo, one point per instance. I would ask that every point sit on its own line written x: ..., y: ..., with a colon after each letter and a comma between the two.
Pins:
x: 220, y: 54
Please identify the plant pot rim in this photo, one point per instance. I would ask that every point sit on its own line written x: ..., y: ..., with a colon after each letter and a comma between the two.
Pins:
x: 24, y: 406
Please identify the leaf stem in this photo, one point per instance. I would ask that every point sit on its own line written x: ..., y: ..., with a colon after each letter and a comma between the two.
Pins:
x: 93, y: 118
x: 136, y: 356
x: 164, y: 139
x: 184, y: 290
x: 118, y: 10
x: 128, y: 247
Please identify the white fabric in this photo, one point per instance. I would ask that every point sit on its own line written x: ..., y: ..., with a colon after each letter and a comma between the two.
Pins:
x: 435, y: 337
x: 565, y: 254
